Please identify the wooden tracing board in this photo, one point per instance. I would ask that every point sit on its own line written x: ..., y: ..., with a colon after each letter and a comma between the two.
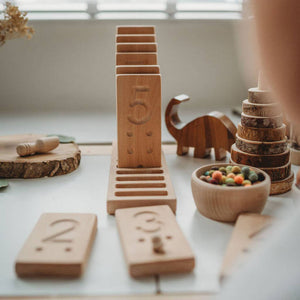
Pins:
x: 139, y: 227
x: 138, y: 175
x: 62, y: 160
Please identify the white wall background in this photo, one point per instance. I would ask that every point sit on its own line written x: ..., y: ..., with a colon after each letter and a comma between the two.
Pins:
x: 69, y: 65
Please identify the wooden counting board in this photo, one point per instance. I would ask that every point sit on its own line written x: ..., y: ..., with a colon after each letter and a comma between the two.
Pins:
x: 59, y: 245
x: 140, y: 228
x: 139, y: 175
x: 247, y: 232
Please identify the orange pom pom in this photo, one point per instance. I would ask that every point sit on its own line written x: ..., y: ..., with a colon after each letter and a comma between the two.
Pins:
x: 217, y: 175
x: 238, y: 179
x: 231, y: 175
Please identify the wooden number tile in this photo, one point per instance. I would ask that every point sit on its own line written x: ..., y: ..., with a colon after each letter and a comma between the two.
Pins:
x: 262, y: 148
x: 136, y: 29
x: 139, y: 120
x: 134, y: 187
x: 261, y: 122
x: 261, y: 110
x: 259, y: 161
x: 256, y: 95
x: 59, y: 245
x: 262, y: 134
x: 135, y: 38
x: 137, y: 69
x: 249, y: 230
x: 152, y: 241
x: 136, y: 47
x: 134, y: 58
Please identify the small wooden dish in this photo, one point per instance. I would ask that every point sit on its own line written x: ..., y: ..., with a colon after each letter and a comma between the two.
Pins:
x: 222, y: 203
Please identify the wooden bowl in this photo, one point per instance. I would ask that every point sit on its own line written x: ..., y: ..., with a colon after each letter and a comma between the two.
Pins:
x: 225, y: 203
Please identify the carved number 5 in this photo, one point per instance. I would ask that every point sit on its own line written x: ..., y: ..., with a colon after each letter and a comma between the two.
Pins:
x: 55, y: 237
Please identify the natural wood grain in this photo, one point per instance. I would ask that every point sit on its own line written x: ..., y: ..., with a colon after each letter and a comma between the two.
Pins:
x: 261, y: 122
x: 214, y: 130
x: 139, y: 120
x: 256, y: 95
x: 278, y: 173
x: 62, y: 160
x: 131, y: 69
x: 130, y: 187
x: 59, y: 245
x: 135, y: 38
x: 227, y: 203
x: 259, y: 161
x: 261, y: 110
x: 135, y: 58
x: 134, y: 29
x: 242, y: 241
x: 261, y: 148
x: 282, y: 186
x: 262, y: 134
x: 41, y: 145
x: 136, y: 47
x: 137, y: 227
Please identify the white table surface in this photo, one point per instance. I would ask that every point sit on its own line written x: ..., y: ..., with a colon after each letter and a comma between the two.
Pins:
x: 84, y: 190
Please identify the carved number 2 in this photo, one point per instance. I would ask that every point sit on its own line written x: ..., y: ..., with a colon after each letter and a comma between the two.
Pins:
x: 55, y: 237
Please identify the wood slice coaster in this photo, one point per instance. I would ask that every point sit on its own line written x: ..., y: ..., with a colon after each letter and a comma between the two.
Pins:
x: 259, y: 161
x: 261, y: 122
x: 135, y: 187
x: 295, y: 156
x: 282, y: 186
x: 259, y: 96
x: 262, y: 134
x: 278, y: 173
x: 262, y: 148
x: 62, y: 160
x: 261, y: 110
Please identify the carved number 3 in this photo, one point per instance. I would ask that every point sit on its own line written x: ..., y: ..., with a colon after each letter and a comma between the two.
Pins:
x: 56, y: 237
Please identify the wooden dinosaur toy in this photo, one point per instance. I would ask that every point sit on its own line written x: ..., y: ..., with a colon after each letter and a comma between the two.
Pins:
x: 214, y: 130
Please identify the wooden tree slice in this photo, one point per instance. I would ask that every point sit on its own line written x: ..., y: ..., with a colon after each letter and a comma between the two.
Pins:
x: 262, y: 148
x: 278, y: 173
x: 261, y: 110
x: 262, y: 134
x: 260, y: 96
x: 261, y: 122
x: 282, y: 186
x: 62, y: 160
x: 259, y: 161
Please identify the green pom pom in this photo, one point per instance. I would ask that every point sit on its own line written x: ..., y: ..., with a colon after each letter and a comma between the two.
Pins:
x: 229, y: 181
x: 253, y: 176
x: 246, y: 171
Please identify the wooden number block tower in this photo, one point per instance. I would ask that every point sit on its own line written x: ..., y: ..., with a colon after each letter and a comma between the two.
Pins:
x: 138, y: 175
x: 261, y: 139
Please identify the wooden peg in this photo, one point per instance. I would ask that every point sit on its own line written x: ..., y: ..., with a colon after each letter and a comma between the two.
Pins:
x: 42, y: 145
x: 158, y: 245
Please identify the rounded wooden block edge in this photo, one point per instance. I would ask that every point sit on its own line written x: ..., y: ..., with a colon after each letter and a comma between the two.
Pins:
x: 282, y: 186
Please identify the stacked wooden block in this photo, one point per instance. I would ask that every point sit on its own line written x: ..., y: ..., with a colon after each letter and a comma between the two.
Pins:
x: 139, y: 175
x: 261, y: 139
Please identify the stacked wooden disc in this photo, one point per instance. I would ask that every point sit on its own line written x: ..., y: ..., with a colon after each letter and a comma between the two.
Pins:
x: 261, y: 140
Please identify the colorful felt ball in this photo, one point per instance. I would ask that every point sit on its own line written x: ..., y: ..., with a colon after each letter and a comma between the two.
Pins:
x: 253, y: 177
x: 229, y: 180
x: 236, y: 169
x: 231, y: 175
x: 217, y: 175
x: 246, y: 171
x: 245, y: 182
x: 238, y: 179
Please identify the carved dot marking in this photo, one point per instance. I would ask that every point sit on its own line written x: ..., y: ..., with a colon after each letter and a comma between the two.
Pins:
x: 168, y: 237
x: 149, y: 151
x: 141, y: 240
x: 149, y: 133
x: 39, y: 249
x: 129, y: 133
x: 138, y: 227
x: 68, y: 249
x: 129, y: 151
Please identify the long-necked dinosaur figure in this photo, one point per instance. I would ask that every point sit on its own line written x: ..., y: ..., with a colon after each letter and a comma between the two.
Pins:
x: 214, y: 130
